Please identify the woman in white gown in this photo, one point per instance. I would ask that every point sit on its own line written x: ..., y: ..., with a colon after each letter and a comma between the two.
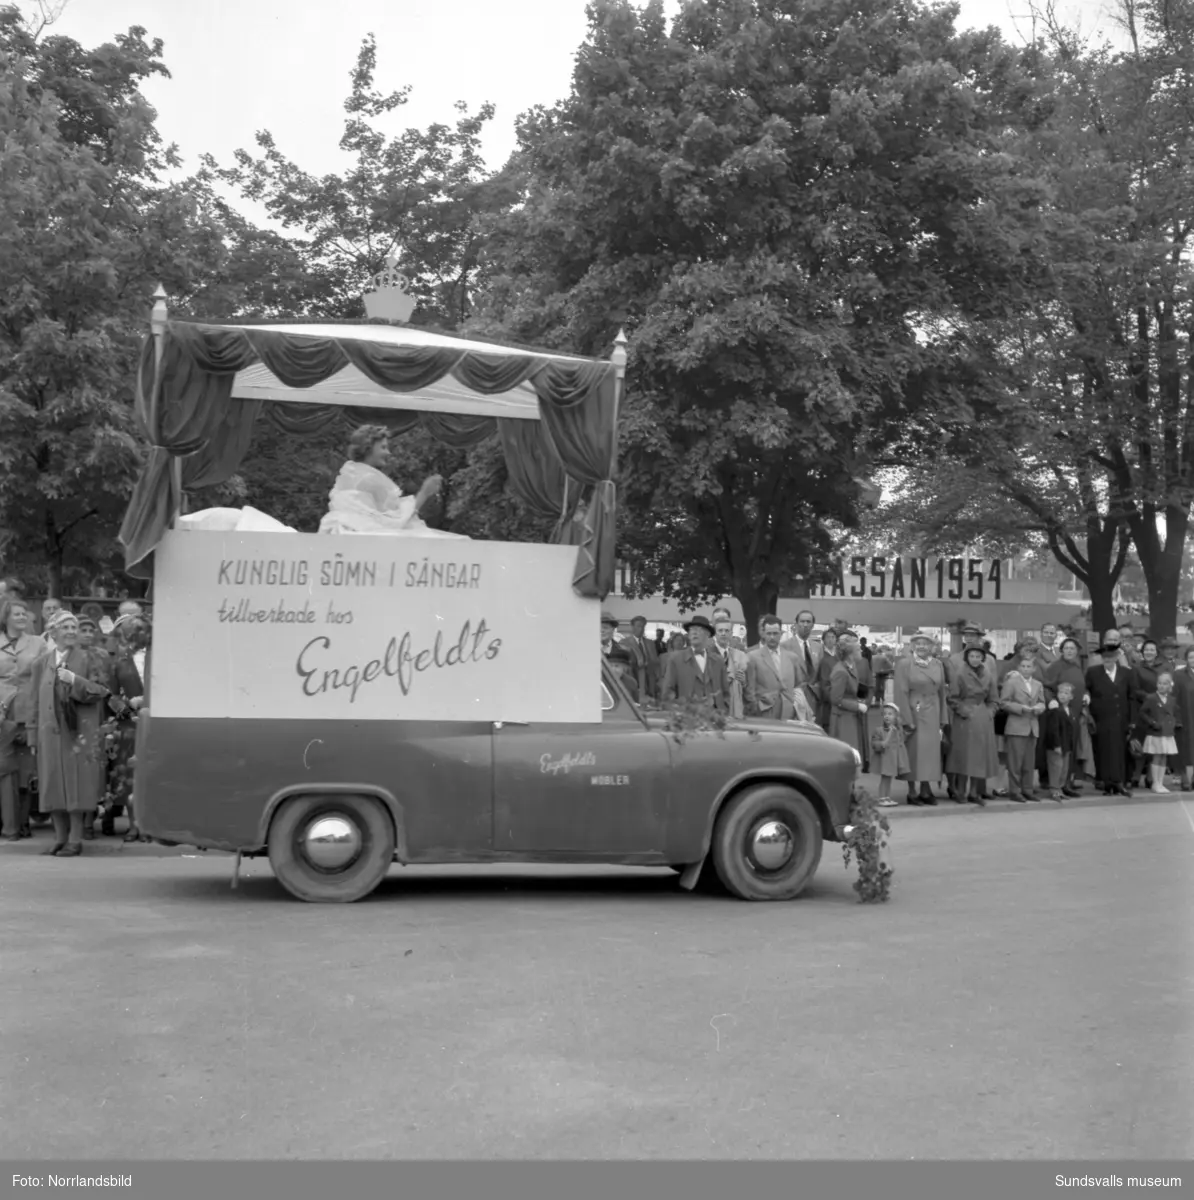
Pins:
x: 366, y: 500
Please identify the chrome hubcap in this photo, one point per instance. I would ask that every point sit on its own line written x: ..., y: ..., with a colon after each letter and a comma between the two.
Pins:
x: 331, y: 842
x: 772, y: 845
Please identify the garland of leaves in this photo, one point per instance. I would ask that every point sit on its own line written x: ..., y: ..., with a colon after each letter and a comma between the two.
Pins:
x: 865, y: 843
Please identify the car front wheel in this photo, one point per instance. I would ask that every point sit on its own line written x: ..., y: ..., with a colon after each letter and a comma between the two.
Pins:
x: 767, y: 843
x: 331, y: 849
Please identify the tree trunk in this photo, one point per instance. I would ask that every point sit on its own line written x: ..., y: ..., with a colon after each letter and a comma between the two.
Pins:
x: 756, y: 603
x: 55, y: 556
x: 1099, y: 568
x: 1162, y: 565
x: 1100, y: 583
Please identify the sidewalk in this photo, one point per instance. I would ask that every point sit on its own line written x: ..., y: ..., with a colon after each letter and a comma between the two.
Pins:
x: 1089, y: 799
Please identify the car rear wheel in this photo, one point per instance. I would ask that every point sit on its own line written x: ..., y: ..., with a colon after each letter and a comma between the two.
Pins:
x: 331, y: 849
x: 767, y: 843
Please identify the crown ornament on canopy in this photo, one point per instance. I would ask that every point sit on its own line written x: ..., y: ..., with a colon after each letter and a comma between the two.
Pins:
x: 389, y: 300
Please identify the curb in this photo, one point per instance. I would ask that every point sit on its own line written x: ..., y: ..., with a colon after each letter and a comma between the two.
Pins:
x: 946, y: 807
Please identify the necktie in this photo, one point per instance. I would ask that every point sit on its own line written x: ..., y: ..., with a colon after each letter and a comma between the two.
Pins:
x: 808, y: 658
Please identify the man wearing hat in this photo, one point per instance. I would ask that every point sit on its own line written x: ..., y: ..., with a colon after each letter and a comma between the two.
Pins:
x: 1110, y: 686
x: 616, y: 654
x: 696, y: 673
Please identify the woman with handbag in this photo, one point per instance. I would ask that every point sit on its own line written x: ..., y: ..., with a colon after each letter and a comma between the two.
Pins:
x: 68, y: 721
x: 973, y: 701
x: 920, y: 691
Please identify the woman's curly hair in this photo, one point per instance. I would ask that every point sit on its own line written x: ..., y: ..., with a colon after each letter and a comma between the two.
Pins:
x: 364, y: 438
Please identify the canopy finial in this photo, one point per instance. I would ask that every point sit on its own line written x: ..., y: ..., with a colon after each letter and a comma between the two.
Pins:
x: 618, y: 357
x: 159, y: 315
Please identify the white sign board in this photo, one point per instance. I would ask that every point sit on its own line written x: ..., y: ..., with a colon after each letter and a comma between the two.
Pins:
x: 360, y: 628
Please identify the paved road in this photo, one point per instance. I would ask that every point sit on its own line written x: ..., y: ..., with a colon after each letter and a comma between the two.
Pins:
x: 1026, y: 994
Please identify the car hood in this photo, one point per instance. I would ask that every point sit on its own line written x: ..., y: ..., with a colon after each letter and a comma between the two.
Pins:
x: 754, y: 725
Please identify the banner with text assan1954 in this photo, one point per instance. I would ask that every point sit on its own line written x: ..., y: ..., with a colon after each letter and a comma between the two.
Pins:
x: 358, y: 628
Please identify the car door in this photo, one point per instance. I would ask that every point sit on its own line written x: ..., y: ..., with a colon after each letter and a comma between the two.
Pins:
x: 576, y: 792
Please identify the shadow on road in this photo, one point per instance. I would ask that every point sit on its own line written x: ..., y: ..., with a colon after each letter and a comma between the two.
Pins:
x: 420, y: 885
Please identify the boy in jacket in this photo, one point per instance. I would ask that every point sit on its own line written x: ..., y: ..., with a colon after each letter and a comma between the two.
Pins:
x: 1059, y: 732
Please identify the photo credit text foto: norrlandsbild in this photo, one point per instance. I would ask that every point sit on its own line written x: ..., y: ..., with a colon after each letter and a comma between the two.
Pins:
x: 71, y: 1181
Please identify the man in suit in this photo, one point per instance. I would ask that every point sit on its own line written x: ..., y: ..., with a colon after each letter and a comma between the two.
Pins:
x: 1046, y: 653
x: 646, y: 658
x: 772, y: 679
x: 697, y: 673
x: 619, y: 657
x: 807, y: 656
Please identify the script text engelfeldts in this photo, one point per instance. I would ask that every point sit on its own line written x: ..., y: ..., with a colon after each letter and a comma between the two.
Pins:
x: 399, y: 660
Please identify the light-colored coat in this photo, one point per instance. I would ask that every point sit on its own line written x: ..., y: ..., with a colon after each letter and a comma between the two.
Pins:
x: 67, y: 762
x: 735, y: 661
x: 920, y: 694
x: 1018, y: 696
x: 973, y: 700
x: 769, y: 693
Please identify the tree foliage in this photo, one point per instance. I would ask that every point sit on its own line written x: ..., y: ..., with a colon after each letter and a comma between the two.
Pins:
x: 416, y: 194
x: 771, y: 196
x: 88, y: 232
x: 1084, y: 400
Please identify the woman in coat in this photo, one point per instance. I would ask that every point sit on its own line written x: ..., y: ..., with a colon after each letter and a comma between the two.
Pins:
x: 19, y: 650
x: 829, y: 660
x: 920, y: 692
x: 68, y: 721
x: 1068, y: 669
x: 847, y: 706
x: 1183, y: 691
x: 973, y: 700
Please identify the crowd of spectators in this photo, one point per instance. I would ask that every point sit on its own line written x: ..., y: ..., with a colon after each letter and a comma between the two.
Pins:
x: 71, y: 688
x: 1050, y: 717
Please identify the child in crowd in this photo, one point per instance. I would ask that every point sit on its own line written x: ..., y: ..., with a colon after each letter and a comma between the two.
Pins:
x: 891, y: 756
x: 1155, y: 727
x: 1059, y: 731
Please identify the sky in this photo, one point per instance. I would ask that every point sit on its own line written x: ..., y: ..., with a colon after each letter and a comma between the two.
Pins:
x: 283, y: 65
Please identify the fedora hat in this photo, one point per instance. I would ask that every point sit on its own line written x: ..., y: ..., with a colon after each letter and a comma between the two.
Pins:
x: 701, y: 623
x: 608, y: 618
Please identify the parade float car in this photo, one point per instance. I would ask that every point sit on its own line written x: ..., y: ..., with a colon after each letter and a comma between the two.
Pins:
x: 343, y: 703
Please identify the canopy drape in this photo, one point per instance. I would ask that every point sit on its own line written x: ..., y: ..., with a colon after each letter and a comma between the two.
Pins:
x: 199, y: 431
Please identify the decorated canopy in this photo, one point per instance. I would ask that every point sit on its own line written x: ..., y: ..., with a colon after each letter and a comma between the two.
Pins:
x: 201, y: 388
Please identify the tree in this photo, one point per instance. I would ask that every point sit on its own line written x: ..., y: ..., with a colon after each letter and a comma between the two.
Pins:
x: 1086, y: 401
x: 771, y: 197
x: 416, y: 193
x: 88, y: 232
